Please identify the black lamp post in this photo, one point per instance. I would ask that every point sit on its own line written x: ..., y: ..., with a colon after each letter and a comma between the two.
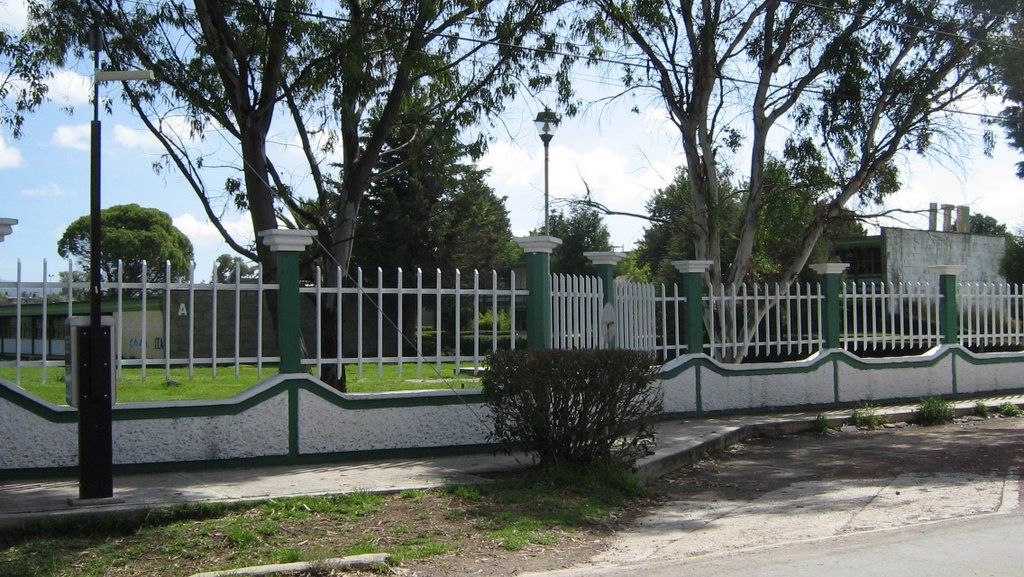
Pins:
x: 95, y: 436
x: 547, y: 123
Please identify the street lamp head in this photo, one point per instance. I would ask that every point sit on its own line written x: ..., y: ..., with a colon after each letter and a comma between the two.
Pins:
x: 547, y: 123
x: 6, y: 225
x: 123, y: 75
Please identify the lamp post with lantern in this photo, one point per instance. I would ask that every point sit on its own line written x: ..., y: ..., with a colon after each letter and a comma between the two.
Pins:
x: 547, y: 123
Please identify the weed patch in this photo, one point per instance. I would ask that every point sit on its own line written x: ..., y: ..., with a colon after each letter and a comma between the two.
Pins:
x: 1009, y: 409
x: 934, y: 411
x: 820, y: 423
x: 866, y: 417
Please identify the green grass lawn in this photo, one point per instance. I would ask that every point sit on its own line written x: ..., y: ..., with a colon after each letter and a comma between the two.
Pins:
x: 204, y: 385
x: 531, y: 509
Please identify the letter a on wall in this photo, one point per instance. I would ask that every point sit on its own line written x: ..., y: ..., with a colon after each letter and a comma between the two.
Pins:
x: 182, y: 310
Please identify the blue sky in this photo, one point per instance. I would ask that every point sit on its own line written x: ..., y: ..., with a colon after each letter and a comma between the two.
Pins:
x: 623, y: 156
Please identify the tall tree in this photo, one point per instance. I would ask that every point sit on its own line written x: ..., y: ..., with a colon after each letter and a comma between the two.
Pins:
x: 788, y: 210
x: 583, y: 230
x: 1012, y: 264
x: 472, y: 227
x: 1011, y: 74
x: 229, y: 269
x: 430, y: 207
x: 984, y: 224
x: 338, y: 81
x: 132, y: 235
x: 859, y: 80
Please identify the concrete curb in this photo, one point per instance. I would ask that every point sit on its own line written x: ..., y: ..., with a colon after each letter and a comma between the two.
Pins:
x: 657, y: 465
x: 344, y: 563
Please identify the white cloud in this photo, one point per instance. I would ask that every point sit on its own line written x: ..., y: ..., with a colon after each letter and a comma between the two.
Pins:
x: 10, y: 157
x: 657, y: 122
x: 510, y: 165
x: 76, y: 136
x: 202, y: 233
x: 136, y: 139
x: 207, y: 242
x: 70, y: 88
x: 48, y: 190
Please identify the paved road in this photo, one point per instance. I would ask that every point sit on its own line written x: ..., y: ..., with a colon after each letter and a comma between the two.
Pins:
x: 989, y: 545
x: 928, y: 502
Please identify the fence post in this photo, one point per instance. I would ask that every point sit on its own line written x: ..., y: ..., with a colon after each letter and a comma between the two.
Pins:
x: 829, y: 273
x: 538, y: 282
x: 288, y: 244
x: 693, y: 290
x: 949, y: 317
x: 605, y: 263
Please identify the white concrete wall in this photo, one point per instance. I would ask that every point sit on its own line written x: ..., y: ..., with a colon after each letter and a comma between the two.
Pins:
x: 28, y: 441
x: 752, y: 388
x: 909, y: 253
x: 324, y: 427
x: 679, y: 392
x: 879, y: 381
x: 973, y: 378
x: 257, y: 432
x: 256, y: 423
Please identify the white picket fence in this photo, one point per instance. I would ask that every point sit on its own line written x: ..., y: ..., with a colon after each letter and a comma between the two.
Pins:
x: 577, y: 303
x: 991, y: 315
x: 890, y: 316
x: 440, y: 307
x: 422, y: 320
x: 419, y: 323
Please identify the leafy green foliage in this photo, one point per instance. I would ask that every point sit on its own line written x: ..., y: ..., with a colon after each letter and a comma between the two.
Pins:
x: 582, y: 230
x: 131, y: 234
x: 365, y: 83
x: 430, y: 208
x: 934, y: 411
x: 671, y: 234
x: 790, y: 204
x: 1012, y: 264
x: 573, y: 406
x: 228, y: 269
x: 1010, y: 73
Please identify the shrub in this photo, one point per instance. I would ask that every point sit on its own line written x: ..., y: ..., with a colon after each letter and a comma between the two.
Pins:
x: 1009, y: 409
x: 934, y: 411
x: 866, y: 417
x: 573, y: 407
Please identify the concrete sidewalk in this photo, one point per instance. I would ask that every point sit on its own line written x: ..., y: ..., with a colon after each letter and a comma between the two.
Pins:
x: 680, y: 442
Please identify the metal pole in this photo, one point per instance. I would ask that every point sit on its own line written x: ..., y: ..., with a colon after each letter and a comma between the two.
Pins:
x: 95, y: 435
x: 547, y: 222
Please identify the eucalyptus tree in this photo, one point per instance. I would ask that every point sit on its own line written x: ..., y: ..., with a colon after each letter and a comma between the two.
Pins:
x: 836, y: 88
x: 332, y: 80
